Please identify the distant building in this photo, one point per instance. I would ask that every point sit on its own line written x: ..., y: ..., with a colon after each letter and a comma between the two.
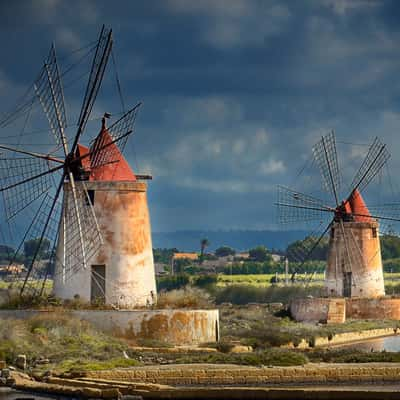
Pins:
x: 186, y: 256
x: 245, y: 255
x: 13, y: 269
x: 159, y: 269
x: 276, y: 257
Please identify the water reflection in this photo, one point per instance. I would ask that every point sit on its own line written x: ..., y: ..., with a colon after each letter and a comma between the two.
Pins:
x: 10, y: 394
x: 388, y: 343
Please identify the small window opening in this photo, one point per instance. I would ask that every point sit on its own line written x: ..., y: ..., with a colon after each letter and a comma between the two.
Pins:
x: 90, y: 197
x: 374, y: 232
x: 332, y: 233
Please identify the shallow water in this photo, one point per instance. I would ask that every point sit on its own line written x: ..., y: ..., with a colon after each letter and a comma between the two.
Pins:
x: 10, y: 394
x: 388, y: 343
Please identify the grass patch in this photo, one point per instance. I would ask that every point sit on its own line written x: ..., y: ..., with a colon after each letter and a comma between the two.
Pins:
x: 351, y: 356
x: 188, y: 297
x: 78, y: 366
x: 244, y: 294
x: 269, y: 357
x: 61, y: 338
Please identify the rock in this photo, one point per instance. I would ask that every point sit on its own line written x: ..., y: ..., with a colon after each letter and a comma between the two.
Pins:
x: 91, y: 393
x: 21, y: 376
x: 10, y: 381
x: 241, y: 349
x: 42, y: 361
x: 20, y: 362
x: 3, y: 381
x: 47, y: 374
x: 5, y: 373
x: 11, y: 368
x: 110, y: 394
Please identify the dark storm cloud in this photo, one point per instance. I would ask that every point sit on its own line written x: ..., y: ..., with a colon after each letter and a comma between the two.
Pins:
x: 235, y: 92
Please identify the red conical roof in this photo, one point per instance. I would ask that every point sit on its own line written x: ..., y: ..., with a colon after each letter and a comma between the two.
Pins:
x: 107, y: 164
x: 357, y: 207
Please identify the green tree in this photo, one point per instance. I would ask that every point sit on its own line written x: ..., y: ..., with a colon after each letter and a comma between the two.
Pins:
x: 301, y: 248
x: 225, y: 251
x: 164, y: 255
x: 30, y: 247
x: 390, y: 246
x: 203, y: 244
x: 260, y: 253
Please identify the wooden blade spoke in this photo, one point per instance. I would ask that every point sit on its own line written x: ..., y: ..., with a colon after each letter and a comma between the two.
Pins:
x: 95, y: 78
x: 326, y: 158
x: 390, y: 211
x: 375, y: 159
x: 49, y: 90
x: 32, y: 172
x: 101, y: 152
x: 82, y: 235
x: 301, y: 252
x: 294, y: 206
x: 41, y: 236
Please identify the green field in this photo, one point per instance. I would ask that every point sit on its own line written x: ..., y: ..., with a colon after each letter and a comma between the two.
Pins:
x: 265, y: 279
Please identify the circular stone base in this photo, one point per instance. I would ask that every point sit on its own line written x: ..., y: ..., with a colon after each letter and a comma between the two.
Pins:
x: 177, y: 327
x: 337, y: 310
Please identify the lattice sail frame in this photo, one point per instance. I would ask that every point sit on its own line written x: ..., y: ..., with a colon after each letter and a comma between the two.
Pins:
x: 49, y: 90
x: 91, y: 235
x: 102, y: 151
x: 32, y: 178
x: 325, y: 155
x: 20, y: 196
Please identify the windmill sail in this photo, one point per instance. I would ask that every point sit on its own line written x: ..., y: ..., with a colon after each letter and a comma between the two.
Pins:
x: 82, y: 237
x: 31, y: 171
x: 375, y: 159
x: 326, y: 158
x: 108, y: 145
x: 49, y: 90
x: 99, y: 64
x: 294, y: 206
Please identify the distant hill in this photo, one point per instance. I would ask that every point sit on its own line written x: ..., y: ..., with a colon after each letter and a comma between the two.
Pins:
x: 239, y: 240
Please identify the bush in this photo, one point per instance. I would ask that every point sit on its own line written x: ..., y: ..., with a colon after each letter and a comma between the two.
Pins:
x: 352, y: 356
x: 225, y: 251
x: 189, y: 297
x: 244, y: 294
x: 172, y: 282
x: 278, y: 357
x: 61, y: 338
x: 205, y: 280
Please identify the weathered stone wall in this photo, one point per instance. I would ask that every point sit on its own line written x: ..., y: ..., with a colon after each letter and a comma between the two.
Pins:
x: 123, y: 217
x: 209, y: 374
x: 383, y: 308
x: 329, y: 310
x: 337, y: 310
x: 362, y: 243
x: 177, y: 327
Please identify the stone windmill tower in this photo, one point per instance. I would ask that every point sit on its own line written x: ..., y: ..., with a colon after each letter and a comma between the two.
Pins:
x: 354, y: 265
x: 88, y: 218
x: 122, y: 271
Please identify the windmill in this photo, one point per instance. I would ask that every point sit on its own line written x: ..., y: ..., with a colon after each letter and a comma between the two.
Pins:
x: 64, y: 188
x: 354, y: 265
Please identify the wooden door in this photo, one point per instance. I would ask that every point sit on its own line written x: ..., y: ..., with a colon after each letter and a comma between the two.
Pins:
x: 98, y: 284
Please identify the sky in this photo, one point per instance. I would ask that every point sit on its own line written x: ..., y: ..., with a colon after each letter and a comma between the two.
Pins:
x: 235, y: 93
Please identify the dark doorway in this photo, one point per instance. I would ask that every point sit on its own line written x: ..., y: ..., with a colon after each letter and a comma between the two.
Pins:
x: 98, y: 284
x: 347, y: 284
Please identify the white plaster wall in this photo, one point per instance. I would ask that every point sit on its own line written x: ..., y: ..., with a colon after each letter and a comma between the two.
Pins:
x: 367, y: 275
x: 122, y: 213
